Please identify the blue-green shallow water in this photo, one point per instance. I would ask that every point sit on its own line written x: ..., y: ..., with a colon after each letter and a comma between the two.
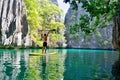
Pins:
x: 67, y: 64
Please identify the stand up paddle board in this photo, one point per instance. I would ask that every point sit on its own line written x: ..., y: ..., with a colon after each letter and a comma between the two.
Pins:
x: 40, y: 54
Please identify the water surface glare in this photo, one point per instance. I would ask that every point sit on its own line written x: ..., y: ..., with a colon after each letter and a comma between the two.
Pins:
x: 64, y: 64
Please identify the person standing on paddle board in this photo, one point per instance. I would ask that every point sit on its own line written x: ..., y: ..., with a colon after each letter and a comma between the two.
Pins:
x: 44, y: 37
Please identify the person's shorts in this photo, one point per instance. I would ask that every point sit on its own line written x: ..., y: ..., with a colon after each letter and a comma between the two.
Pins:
x: 45, y: 44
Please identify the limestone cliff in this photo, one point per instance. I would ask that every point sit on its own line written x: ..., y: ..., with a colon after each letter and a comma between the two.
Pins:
x: 101, y: 39
x: 116, y: 32
x: 54, y: 2
x: 14, y: 29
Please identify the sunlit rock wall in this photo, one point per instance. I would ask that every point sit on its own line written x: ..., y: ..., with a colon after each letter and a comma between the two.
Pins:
x: 14, y: 29
x: 101, y: 39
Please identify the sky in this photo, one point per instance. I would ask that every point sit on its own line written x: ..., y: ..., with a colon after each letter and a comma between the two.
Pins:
x: 63, y: 5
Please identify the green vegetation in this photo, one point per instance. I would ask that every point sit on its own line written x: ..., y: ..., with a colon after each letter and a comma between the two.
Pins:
x: 43, y: 15
x: 102, y: 12
x: 32, y: 73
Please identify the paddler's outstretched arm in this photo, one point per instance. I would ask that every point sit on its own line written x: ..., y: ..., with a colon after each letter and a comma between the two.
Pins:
x: 48, y: 33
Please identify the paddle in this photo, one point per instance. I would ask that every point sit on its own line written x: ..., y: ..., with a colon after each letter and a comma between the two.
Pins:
x: 46, y: 30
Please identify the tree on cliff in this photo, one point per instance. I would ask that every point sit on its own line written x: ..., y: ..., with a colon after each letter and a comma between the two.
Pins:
x: 102, y: 13
x: 44, y: 15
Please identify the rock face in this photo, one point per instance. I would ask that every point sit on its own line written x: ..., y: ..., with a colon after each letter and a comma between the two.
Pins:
x: 116, y: 33
x: 13, y: 23
x: 101, y: 39
x: 54, y: 2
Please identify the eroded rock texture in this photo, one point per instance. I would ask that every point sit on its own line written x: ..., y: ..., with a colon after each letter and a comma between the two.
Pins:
x: 116, y: 33
x: 13, y: 23
x: 101, y: 39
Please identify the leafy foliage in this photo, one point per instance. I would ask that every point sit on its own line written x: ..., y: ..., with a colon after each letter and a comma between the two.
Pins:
x: 101, y: 12
x: 43, y: 15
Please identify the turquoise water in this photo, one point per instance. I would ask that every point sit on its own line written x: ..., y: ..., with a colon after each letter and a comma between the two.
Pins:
x: 66, y: 64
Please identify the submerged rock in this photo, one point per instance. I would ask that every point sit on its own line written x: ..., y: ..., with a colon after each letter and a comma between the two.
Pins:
x: 13, y: 23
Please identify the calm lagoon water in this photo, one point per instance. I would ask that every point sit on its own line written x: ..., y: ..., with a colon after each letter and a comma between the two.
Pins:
x: 66, y: 64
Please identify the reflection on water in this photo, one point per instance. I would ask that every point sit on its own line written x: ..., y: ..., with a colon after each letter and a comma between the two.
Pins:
x: 13, y: 64
x: 116, y: 69
x: 43, y: 73
x: 67, y: 64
